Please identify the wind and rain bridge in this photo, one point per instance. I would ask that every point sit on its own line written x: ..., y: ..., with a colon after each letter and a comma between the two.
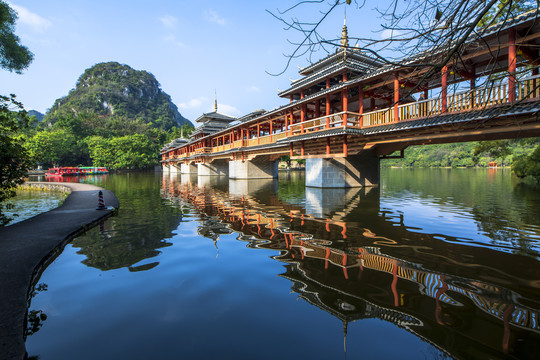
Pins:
x: 350, y: 110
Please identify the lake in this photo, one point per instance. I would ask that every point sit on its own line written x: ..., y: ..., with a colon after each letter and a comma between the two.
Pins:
x: 436, y: 263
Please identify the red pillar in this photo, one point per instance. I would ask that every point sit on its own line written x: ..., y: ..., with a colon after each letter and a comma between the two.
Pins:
x: 291, y: 151
x: 292, y: 121
x: 258, y: 131
x: 302, y: 112
x: 360, y: 99
x: 327, y: 105
x: 290, y: 97
x: 472, y: 80
x: 344, y: 105
x: 444, y: 84
x: 344, y: 145
x: 328, y: 111
x: 396, y: 96
x: 302, y: 117
x: 345, y: 100
x: 512, y: 64
x: 327, y: 145
x: 271, y: 129
x: 472, y: 83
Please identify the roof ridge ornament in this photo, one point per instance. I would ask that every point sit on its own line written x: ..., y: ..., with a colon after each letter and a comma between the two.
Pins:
x: 215, y: 100
x: 344, y: 33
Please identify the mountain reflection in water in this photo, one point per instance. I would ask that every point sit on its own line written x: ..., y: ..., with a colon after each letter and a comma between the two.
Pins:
x: 353, y: 260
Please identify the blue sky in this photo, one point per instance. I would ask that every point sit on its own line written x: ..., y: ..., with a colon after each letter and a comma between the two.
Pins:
x: 192, y: 48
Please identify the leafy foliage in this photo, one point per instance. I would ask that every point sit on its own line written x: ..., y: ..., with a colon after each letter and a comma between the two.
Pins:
x: 54, y: 147
x: 13, y: 55
x: 495, y: 149
x: 126, y: 152
x: 14, y: 159
x: 528, y: 165
x: 499, y: 12
x: 469, y: 154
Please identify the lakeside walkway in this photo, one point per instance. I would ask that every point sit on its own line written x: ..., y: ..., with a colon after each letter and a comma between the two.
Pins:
x: 26, y: 246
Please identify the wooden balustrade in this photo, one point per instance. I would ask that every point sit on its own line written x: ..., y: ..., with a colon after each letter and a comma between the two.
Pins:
x: 527, y: 88
x: 278, y: 136
x: 378, y: 117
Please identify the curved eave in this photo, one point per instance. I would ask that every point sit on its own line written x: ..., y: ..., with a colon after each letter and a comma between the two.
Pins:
x: 350, y: 54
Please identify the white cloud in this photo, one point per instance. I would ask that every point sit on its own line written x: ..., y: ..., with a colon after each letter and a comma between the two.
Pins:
x: 253, y: 89
x: 390, y: 34
x: 228, y: 109
x: 193, y: 103
x: 204, y: 103
x: 171, y: 39
x: 213, y: 16
x: 169, y: 21
x: 31, y: 19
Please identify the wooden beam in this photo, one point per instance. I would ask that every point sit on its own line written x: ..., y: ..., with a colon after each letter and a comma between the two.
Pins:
x: 319, y: 156
x: 531, y: 55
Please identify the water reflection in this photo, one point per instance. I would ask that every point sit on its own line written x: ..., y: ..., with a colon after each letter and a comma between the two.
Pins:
x: 122, y: 242
x: 354, y: 258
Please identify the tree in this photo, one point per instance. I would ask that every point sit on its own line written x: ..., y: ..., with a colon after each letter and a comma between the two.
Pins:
x: 14, y: 159
x: 55, y: 147
x: 415, y: 26
x: 528, y: 165
x: 495, y: 149
x: 126, y: 152
x: 13, y: 55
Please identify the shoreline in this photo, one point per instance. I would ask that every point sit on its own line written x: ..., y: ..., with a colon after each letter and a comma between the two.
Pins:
x: 26, y: 247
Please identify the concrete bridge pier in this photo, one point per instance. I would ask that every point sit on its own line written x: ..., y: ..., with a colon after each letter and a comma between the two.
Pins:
x: 241, y: 187
x: 351, y: 171
x: 253, y: 169
x: 323, y: 202
x: 165, y: 168
x: 174, y: 168
x: 216, y: 167
x: 189, y: 168
x: 188, y: 178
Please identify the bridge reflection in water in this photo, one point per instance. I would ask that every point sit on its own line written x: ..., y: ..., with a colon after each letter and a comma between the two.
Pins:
x: 467, y: 301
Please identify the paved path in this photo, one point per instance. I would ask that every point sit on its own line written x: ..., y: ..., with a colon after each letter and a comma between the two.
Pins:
x: 26, y: 246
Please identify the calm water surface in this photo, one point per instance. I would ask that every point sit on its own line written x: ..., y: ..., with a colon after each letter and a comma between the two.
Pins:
x: 29, y: 203
x: 434, y: 264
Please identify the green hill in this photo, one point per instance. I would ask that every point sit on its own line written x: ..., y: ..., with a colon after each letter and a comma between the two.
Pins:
x: 39, y: 116
x: 116, y: 93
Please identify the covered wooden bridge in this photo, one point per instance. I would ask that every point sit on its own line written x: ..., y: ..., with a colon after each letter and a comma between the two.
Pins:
x: 349, y: 110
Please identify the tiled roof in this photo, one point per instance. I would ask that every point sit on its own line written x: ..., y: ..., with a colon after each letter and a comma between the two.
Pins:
x: 358, y: 55
x: 215, y: 116
x: 335, y: 66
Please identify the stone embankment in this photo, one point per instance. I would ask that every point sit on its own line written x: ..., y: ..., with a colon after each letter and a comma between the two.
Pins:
x: 27, y: 246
